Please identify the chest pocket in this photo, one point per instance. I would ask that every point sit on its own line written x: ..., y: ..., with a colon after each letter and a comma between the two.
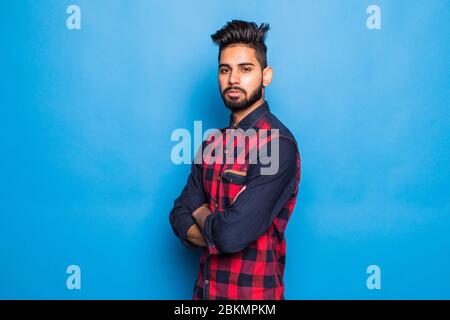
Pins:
x: 235, y: 176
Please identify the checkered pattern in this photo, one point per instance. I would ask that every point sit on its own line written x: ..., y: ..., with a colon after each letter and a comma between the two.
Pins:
x: 256, y: 272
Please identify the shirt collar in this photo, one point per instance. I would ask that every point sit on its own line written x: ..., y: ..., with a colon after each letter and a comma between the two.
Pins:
x: 250, y: 119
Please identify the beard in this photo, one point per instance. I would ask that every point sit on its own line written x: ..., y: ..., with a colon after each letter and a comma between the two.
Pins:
x: 233, y: 103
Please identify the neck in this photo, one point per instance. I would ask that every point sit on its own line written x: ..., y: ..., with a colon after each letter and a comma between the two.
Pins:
x: 241, y: 114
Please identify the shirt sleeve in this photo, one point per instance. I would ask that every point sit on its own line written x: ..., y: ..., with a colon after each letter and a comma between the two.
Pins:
x: 233, y: 229
x: 192, y: 197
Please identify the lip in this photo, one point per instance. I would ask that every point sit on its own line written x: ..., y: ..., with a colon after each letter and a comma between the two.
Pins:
x: 234, y: 92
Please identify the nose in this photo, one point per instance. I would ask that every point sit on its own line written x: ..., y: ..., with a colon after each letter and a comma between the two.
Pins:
x: 234, y: 78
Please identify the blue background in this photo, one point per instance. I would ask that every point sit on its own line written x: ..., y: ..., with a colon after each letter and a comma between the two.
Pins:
x: 87, y: 116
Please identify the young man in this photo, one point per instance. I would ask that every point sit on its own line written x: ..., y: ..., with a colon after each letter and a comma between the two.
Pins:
x: 237, y: 211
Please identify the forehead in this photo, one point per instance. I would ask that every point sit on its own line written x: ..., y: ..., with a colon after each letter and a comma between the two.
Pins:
x: 237, y: 54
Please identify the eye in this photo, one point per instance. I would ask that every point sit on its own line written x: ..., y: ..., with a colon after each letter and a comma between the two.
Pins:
x: 246, y: 69
x: 224, y: 70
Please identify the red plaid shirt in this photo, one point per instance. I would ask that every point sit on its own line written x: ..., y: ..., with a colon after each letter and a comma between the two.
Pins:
x: 246, y: 251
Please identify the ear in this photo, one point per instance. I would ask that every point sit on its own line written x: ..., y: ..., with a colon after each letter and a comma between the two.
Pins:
x: 267, y: 76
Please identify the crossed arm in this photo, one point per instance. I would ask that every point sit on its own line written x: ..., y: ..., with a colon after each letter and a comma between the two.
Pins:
x: 251, y: 213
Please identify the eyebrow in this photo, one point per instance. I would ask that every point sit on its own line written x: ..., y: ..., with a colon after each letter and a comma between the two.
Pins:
x: 240, y: 64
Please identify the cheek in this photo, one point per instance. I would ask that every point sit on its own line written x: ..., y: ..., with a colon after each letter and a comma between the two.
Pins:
x: 251, y: 82
x: 222, y: 83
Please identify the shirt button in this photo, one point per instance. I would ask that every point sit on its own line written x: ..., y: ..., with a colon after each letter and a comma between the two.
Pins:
x: 216, y: 205
x: 206, y: 281
x: 218, y: 178
x: 226, y: 151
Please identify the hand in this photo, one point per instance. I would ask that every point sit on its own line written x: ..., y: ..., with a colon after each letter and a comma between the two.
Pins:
x: 204, y: 208
x: 200, y: 214
x: 195, y: 236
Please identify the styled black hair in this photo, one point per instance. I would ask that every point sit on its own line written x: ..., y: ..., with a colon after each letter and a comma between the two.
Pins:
x: 245, y: 33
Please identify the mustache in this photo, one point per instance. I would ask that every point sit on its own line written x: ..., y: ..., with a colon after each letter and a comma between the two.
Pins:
x: 234, y: 88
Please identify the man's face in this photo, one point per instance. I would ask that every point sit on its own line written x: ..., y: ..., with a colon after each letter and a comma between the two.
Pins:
x: 240, y: 77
